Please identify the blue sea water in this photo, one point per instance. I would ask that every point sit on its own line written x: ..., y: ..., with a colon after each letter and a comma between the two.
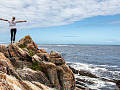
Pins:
x: 101, y: 60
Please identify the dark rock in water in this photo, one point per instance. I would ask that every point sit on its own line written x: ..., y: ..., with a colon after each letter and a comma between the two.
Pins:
x: 83, y: 72
x: 74, y: 70
x: 108, y: 80
x: 85, y: 81
x: 86, y: 73
x: 117, y: 83
x: 80, y: 86
x: 81, y: 83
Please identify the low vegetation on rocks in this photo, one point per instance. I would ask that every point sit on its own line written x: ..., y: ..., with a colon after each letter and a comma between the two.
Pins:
x: 31, y: 53
x: 36, y: 66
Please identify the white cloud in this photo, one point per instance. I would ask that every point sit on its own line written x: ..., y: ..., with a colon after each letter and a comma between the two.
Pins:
x: 45, y: 13
x: 115, y: 22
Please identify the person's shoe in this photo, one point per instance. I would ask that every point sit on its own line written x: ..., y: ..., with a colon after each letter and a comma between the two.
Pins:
x: 13, y: 41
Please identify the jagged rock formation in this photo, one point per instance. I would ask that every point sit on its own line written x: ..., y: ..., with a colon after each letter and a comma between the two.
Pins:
x: 23, y: 66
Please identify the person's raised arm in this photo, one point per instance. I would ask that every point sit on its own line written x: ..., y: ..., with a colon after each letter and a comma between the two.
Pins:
x: 3, y: 19
x: 20, y: 21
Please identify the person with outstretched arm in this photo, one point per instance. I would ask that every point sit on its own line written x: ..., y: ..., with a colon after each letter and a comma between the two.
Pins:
x: 12, y: 25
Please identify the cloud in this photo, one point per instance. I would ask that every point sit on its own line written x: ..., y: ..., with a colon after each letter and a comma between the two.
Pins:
x: 46, y: 13
x: 112, y: 41
x: 115, y: 22
x: 70, y: 36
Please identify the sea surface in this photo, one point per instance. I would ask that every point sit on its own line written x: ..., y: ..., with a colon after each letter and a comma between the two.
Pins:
x: 101, y: 60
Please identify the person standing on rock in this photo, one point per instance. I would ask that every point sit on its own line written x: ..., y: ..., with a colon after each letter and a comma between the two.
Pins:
x: 12, y: 25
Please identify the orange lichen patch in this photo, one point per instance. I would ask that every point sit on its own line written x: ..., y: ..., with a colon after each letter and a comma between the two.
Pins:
x: 28, y: 37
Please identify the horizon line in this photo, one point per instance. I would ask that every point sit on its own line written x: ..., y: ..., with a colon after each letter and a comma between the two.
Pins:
x: 68, y: 44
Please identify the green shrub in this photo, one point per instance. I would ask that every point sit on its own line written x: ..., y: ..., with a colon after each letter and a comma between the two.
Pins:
x: 35, y: 66
x: 22, y: 46
x: 31, y: 53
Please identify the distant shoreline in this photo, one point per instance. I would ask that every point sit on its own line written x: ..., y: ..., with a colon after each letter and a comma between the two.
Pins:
x: 73, y: 44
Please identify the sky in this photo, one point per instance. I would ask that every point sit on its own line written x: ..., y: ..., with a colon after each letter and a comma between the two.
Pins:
x: 63, y: 21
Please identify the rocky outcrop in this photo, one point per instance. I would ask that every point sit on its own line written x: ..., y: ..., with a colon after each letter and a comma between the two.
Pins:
x: 23, y: 66
x: 31, y: 75
x: 8, y: 82
x: 7, y: 67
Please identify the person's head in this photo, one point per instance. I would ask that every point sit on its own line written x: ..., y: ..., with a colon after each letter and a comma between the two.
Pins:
x: 13, y: 18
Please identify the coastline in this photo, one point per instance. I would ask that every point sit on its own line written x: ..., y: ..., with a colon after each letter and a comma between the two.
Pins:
x: 86, y: 58
x: 84, y: 67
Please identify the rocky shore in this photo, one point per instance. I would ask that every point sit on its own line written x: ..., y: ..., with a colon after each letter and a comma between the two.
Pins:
x: 23, y: 66
x: 83, y: 83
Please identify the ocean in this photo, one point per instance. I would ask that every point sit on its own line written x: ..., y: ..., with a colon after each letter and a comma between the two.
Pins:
x: 100, y: 60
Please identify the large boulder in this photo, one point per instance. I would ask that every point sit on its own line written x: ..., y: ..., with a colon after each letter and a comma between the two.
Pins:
x: 16, y: 51
x: 56, y: 58
x: 7, y: 67
x: 5, y: 63
x: 32, y: 45
x: 24, y: 41
x: 43, y: 56
x: 43, y: 51
x: 36, y: 58
x: 4, y: 49
x: 61, y: 77
x: 8, y: 82
x: 28, y: 43
x: 31, y: 75
x: 54, y: 54
x: 51, y: 72
x: 67, y: 77
x: 57, y: 61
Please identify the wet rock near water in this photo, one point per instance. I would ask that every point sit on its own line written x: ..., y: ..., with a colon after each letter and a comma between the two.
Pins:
x: 117, y: 83
x: 83, y: 73
x: 83, y: 83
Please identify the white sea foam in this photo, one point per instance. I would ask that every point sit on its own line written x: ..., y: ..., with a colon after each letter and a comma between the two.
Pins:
x: 96, y: 70
x: 62, y: 45
x: 43, y: 48
x: 97, y: 82
x: 88, y: 67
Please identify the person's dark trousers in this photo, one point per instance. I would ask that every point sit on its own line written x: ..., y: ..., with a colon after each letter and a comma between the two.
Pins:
x: 13, y: 33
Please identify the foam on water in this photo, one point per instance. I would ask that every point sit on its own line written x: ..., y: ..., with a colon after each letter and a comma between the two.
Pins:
x: 98, y: 83
x: 98, y: 71
x: 88, y: 67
